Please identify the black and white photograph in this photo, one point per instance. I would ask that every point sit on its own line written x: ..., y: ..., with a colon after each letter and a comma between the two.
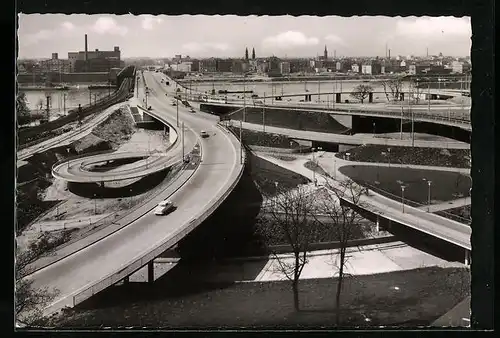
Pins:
x: 261, y: 172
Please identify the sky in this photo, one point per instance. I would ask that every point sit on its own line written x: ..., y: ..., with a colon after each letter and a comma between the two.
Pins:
x: 39, y: 35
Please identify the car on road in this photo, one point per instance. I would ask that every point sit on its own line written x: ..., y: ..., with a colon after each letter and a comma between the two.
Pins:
x: 203, y: 133
x: 174, y: 104
x: 192, y: 110
x: 164, y: 208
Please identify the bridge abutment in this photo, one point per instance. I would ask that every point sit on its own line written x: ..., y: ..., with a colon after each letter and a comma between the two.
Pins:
x: 151, y: 272
x: 467, y: 260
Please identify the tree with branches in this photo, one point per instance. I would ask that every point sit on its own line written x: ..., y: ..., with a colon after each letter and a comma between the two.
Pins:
x: 344, y: 225
x: 289, y: 217
x: 29, y: 301
x: 361, y: 92
x: 392, y: 88
x: 22, y: 109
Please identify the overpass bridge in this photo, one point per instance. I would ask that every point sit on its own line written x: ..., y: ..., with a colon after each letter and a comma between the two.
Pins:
x: 454, y: 117
x: 93, y: 268
x: 384, y: 208
x: 79, y: 169
x: 427, y: 94
x: 321, y: 137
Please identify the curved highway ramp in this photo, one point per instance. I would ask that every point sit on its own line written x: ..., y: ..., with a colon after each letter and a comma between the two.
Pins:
x: 110, y: 260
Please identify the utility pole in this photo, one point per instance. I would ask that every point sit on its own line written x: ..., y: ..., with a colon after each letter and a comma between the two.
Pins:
x: 319, y: 91
x: 429, y: 98
x: 177, y: 106
x: 182, y: 140
x: 264, y: 114
x: 401, y: 126
x: 241, y: 143
x: 411, y: 112
x: 64, y: 103
x: 244, y: 98
x: 48, y: 107
x: 90, y: 97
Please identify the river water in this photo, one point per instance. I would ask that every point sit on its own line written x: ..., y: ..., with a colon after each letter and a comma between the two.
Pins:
x: 74, y: 96
x: 285, y: 87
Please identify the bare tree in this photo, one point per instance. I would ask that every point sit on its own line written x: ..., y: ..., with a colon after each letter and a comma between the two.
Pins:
x: 361, y: 92
x: 289, y: 217
x: 344, y: 223
x: 392, y: 88
x: 29, y: 301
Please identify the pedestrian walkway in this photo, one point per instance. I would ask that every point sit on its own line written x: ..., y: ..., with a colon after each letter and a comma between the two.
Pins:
x: 449, y: 230
x: 458, y: 316
x: 461, y: 202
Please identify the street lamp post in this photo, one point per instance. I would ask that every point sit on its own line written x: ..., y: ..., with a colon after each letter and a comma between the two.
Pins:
x: 314, y: 163
x: 95, y: 204
x: 334, y: 168
x: 401, y: 125
x: 403, y: 197
x: 264, y: 114
x: 183, y: 140
x: 241, y: 142
x: 429, y: 195
x: 389, y: 156
x: 64, y: 103
x: 177, y: 108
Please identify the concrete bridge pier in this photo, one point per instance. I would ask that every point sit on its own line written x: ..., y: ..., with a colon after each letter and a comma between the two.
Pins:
x: 126, y: 280
x: 467, y: 257
x: 377, y: 224
x: 151, y: 272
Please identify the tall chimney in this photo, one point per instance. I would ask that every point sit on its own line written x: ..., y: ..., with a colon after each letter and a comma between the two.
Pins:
x: 389, y: 53
x: 86, y: 48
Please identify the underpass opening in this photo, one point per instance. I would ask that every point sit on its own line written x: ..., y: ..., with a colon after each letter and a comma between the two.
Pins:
x: 124, y: 189
x: 381, y: 125
x: 413, y: 237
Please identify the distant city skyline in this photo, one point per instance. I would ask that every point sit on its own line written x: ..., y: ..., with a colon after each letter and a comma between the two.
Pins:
x: 203, y: 36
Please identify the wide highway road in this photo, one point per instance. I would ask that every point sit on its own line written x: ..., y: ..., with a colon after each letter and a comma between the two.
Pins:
x: 78, y: 169
x: 98, y: 266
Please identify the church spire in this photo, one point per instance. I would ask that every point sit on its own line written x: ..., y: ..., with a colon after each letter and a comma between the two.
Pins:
x: 326, y: 53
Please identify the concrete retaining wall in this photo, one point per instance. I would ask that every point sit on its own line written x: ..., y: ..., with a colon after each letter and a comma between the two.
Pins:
x: 279, y: 249
x: 281, y: 150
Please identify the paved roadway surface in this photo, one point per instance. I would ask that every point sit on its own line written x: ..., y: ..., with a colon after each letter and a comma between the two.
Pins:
x: 97, y: 266
x: 446, y: 229
x: 350, y: 139
x: 457, y: 118
x: 71, y: 136
x: 74, y: 170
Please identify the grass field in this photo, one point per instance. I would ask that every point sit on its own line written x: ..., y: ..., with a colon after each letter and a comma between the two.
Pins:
x: 457, y: 158
x: 421, y: 296
x: 460, y: 214
x: 446, y: 186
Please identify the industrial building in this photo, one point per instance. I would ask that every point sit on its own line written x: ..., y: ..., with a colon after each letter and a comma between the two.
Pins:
x: 94, y: 61
x: 54, y: 64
